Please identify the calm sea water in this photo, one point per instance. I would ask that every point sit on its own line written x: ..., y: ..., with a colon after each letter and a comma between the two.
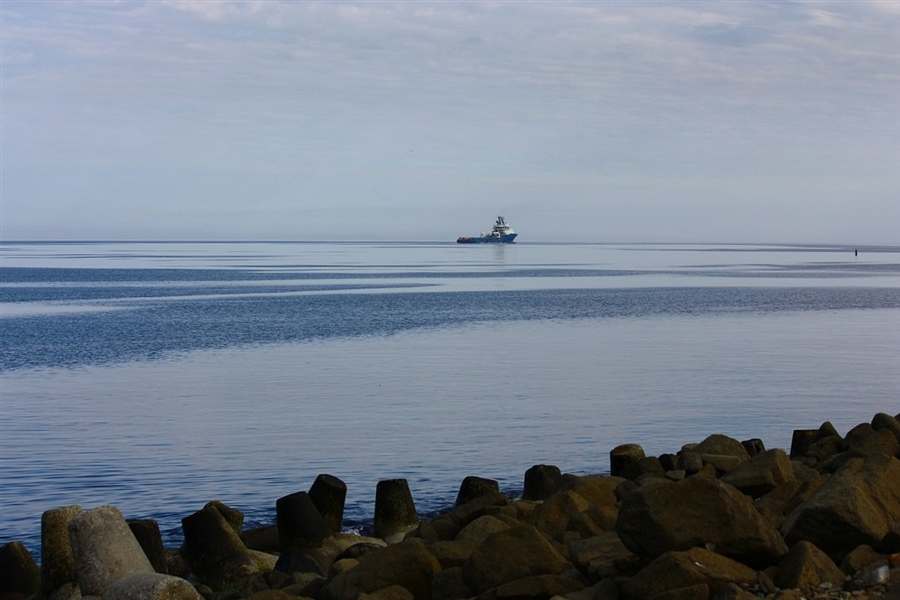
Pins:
x: 159, y: 376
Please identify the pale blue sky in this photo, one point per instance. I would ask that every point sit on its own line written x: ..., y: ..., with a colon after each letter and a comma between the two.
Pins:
x: 590, y: 121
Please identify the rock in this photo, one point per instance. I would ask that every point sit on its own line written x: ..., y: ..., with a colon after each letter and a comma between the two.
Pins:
x: 214, y: 550
x: 407, y: 564
x: 825, y: 448
x: 603, y: 557
x: 473, y: 487
x: 509, y: 555
x: 343, y: 545
x: 599, y: 491
x: 233, y: 516
x: 801, y: 440
x: 754, y: 446
x: 885, y: 421
x: 493, y: 503
x: 676, y: 570
x: 723, y: 463
x: 264, y: 538
x: 860, y: 557
x: 392, y: 592
x: 761, y: 474
x: 151, y: 586
x: 443, y: 529
x: 722, y: 445
x: 553, y: 516
x: 541, y: 481
x: 452, y: 554
x: 104, y: 549
x: 57, y: 560
x: 826, y: 430
x: 732, y: 591
x: 857, y: 434
x: 19, y: 573
x: 882, y: 441
x: 622, y: 456
x: 328, y: 494
x: 395, y: 511
x: 480, y: 529
x: 690, y: 462
x: 695, y: 512
x: 449, y: 585
x: 669, y: 462
x: 805, y: 567
x: 300, y: 523
x: 859, y: 504
x: 538, y: 587
x: 296, y: 560
x: 649, y: 465
x: 146, y: 531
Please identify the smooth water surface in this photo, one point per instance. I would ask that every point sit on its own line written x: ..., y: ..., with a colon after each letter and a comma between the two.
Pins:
x: 158, y: 376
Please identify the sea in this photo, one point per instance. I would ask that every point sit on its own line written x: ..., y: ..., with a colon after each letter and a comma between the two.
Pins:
x: 158, y: 376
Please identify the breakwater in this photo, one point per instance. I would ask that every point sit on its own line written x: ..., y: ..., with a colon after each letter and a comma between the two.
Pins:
x: 720, y: 518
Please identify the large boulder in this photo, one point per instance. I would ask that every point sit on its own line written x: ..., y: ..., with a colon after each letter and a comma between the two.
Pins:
x: 509, y: 555
x: 761, y: 474
x: 602, y: 557
x: 407, y: 564
x: 600, y: 491
x: 568, y: 511
x: 805, y: 567
x: 104, y: 549
x: 859, y: 504
x: 679, y: 570
x: 698, y: 511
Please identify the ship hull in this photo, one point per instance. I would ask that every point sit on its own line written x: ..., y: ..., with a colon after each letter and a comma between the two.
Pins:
x: 487, y: 239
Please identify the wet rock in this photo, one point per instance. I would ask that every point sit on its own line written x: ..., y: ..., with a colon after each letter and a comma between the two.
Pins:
x: 395, y: 511
x: 407, y: 564
x: 19, y: 572
x: 328, y: 494
x: 57, y: 560
x: 859, y: 504
x: 761, y: 474
x: 694, y: 567
x: 299, y: 522
x: 151, y: 586
x: 473, y: 487
x: 104, y: 549
x: 541, y: 481
x: 509, y: 555
x: 696, y: 512
x: 623, y: 455
x: 805, y: 567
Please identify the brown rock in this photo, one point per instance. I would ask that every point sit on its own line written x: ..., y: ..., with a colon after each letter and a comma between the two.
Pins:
x: 723, y: 463
x: 860, y: 557
x: 859, y: 504
x: 509, y: 555
x: 718, y: 444
x: 449, y: 585
x: 805, y: 567
x: 552, y: 517
x: 407, y: 564
x: 885, y: 421
x: 151, y: 586
x: 732, y: 591
x: 691, y: 592
x: 472, y: 487
x: 825, y: 448
x: 676, y: 570
x: 603, y: 556
x: 481, y: 528
x: 597, y: 490
x: 882, y: 441
x: 761, y: 474
x: 801, y: 440
x: 857, y: 434
x: 392, y: 592
x: 452, y: 554
x: 541, y: 481
x: 696, y: 512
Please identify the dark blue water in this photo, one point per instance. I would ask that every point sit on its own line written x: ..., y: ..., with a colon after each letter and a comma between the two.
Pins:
x: 159, y: 376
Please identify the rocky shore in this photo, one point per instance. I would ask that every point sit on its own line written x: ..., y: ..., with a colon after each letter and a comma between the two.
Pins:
x: 720, y: 519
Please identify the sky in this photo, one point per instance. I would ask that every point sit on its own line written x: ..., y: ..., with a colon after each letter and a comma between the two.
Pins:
x: 605, y: 121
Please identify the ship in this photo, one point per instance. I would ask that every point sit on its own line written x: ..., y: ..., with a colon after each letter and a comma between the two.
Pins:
x: 501, y: 233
